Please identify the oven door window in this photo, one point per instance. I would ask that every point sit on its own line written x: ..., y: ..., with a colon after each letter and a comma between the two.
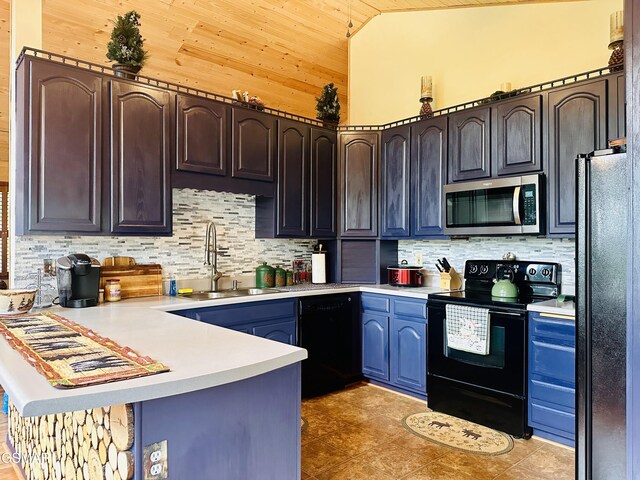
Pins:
x: 496, y: 357
x: 489, y: 207
x: 502, y: 370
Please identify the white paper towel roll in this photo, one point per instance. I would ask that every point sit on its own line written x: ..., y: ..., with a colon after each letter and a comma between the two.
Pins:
x: 318, y: 268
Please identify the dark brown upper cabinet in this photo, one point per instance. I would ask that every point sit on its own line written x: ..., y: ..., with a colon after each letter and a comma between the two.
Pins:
x: 293, y: 179
x: 394, y: 182
x: 304, y: 205
x: 428, y: 175
x: 324, y: 172
x: 518, y: 130
x: 577, y: 124
x: 254, y: 144
x: 60, y: 123
x: 359, y: 184
x: 140, y: 159
x: 470, y: 145
x: 201, y: 135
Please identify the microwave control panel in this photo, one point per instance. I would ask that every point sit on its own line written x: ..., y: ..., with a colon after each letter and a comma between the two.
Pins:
x: 530, y: 205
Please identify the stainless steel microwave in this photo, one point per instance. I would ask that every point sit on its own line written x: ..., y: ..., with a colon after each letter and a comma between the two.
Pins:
x: 502, y: 206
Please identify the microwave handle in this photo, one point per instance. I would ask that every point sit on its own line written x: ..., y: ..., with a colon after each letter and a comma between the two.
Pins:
x: 516, y: 205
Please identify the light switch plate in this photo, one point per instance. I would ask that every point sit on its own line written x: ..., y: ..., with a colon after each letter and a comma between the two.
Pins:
x: 156, y: 461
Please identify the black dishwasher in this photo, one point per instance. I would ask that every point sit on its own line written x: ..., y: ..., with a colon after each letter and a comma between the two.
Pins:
x: 329, y: 329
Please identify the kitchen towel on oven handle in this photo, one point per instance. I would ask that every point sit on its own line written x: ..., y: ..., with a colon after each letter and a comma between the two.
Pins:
x: 467, y: 329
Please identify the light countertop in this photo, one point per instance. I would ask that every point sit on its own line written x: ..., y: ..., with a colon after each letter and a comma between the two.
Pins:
x: 199, y: 355
x: 169, y: 304
x: 554, y: 307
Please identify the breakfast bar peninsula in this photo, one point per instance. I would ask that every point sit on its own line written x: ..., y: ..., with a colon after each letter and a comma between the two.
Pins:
x: 229, y: 406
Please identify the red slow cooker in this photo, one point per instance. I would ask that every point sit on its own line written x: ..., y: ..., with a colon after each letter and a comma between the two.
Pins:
x: 404, y: 275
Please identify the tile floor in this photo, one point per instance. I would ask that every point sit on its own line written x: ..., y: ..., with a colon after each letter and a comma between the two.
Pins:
x: 357, y: 434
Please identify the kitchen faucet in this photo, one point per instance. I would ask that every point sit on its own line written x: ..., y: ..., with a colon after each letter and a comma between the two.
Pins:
x: 211, y: 246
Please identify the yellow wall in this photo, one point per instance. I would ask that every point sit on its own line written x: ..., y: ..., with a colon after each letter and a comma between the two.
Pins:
x: 470, y: 52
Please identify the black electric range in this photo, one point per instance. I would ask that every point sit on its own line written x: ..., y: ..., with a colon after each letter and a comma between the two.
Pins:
x: 488, y: 389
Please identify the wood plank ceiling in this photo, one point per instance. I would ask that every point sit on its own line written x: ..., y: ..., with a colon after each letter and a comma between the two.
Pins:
x: 281, y: 50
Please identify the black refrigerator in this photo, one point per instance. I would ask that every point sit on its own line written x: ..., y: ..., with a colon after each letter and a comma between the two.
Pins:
x: 601, y: 314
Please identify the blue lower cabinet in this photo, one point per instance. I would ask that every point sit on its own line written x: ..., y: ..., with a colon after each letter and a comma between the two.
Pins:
x: 284, y: 332
x: 409, y: 354
x: 552, y: 377
x: 275, y: 320
x: 243, y: 328
x: 375, y: 345
x: 394, y: 342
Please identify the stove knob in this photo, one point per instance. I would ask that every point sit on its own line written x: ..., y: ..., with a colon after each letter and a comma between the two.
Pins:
x: 532, y: 271
x: 473, y: 268
x: 484, y: 269
x: 546, y: 272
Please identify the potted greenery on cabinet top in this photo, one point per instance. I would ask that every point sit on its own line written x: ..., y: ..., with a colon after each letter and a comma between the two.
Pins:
x: 125, y: 47
x: 328, y: 106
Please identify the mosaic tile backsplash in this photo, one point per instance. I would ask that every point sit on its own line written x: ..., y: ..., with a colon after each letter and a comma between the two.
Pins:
x: 182, y: 254
x: 240, y: 252
x: 561, y: 251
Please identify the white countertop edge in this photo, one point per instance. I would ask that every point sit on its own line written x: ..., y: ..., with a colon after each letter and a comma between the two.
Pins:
x: 161, y: 390
x: 554, y: 307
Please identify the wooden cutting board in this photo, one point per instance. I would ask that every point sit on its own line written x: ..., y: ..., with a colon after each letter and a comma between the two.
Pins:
x: 135, y: 280
x: 118, y: 261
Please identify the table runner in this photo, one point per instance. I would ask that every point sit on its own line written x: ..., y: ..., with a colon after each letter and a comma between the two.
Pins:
x: 70, y: 355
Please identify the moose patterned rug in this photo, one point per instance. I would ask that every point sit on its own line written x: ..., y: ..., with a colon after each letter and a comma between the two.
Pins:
x: 71, y: 355
x: 457, y: 433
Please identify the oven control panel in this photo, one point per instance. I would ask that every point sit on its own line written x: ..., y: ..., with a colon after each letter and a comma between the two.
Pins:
x: 518, y: 271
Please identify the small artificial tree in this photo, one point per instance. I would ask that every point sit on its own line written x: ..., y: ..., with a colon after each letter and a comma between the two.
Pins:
x: 328, y: 106
x: 126, y: 42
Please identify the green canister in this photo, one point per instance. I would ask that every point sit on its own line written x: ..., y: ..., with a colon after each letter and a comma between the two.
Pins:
x: 289, y: 278
x: 265, y: 276
x: 281, y: 277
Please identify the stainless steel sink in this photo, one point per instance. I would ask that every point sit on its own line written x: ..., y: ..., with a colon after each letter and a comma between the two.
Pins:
x: 242, y: 292
x: 205, y: 295
x: 256, y: 291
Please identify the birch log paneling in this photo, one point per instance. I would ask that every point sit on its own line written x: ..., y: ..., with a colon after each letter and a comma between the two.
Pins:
x: 84, y: 445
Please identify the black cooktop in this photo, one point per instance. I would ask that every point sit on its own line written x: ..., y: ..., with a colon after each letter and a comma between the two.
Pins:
x: 485, y: 299
x: 536, y: 282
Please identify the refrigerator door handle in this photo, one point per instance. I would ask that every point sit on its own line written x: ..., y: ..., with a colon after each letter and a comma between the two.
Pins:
x: 516, y: 205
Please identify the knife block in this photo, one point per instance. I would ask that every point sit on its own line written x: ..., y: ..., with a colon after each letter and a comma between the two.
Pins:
x: 450, y: 280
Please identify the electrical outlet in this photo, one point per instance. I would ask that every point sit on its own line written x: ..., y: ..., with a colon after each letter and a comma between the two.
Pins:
x: 155, y: 459
x: 419, y: 259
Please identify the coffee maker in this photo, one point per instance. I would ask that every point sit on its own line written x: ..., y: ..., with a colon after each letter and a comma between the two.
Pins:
x: 78, y: 280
